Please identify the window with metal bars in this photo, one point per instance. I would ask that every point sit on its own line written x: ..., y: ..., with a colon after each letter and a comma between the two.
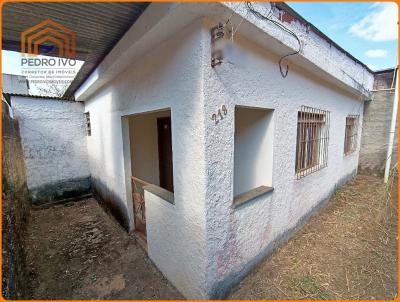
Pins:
x: 312, y: 140
x: 351, y: 134
x: 88, y: 128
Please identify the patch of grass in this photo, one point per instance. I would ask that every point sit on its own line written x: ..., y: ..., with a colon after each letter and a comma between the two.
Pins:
x: 310, y: 286
x: 354, y: 193
x: 93, y: 278
x: 378, y: 255
x: 337, y: 191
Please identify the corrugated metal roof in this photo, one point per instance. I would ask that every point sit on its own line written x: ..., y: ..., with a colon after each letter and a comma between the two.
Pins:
x: 98, y: 26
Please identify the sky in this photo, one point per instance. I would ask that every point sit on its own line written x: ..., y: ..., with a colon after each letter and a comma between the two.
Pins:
x: 367, y: 30
x: 11, y: 64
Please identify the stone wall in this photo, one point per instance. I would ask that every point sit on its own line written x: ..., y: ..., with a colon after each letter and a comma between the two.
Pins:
x: 14, y: 210
x: 376, y: 127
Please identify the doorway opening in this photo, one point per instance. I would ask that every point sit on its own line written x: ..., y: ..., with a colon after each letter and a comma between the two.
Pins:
x: 151, y: 159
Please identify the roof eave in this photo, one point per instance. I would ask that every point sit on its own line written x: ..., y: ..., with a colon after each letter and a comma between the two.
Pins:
x: 169, y: 17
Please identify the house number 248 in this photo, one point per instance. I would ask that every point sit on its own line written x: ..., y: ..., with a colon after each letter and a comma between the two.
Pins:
x: 216, y: 117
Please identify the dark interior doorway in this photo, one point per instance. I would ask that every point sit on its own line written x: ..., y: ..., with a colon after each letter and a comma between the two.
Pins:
x: 165, y: 153
x: 151, y: 160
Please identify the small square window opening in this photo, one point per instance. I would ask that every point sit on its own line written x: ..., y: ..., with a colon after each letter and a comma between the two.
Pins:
x: 88, y: 128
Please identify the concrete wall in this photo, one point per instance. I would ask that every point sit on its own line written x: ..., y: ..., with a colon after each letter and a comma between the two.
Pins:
x: 376, y: 127
x: 12, y: 83
x: 168, y: 76
x: 54, y: 144
x: 238, y: 238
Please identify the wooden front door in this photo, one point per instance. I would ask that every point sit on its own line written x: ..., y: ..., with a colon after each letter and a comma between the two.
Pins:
x: 165, y: 153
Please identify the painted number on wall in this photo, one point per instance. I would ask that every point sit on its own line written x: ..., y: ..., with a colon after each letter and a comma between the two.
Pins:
x: 216, y: 117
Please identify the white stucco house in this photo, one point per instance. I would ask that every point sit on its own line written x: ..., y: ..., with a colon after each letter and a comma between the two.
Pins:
x: 213, y: 163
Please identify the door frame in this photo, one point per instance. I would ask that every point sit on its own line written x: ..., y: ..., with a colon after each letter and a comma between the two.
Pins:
x: 126, y: 149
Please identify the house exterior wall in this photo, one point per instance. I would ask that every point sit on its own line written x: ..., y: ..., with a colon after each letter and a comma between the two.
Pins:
x: 54, y: 146
x: 201, y: 243
x: 167, y: 77
x: 238, y: 238
x: 376, y: 127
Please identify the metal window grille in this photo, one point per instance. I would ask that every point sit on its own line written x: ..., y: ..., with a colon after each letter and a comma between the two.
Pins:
x: 312, y: 140
x: 351, y: 134
x: 88, y: 128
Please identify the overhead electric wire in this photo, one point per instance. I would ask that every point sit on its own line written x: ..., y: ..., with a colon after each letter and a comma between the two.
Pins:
x: 281, y: 26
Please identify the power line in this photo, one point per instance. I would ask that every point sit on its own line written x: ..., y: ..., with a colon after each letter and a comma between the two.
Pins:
x: 281, y: 26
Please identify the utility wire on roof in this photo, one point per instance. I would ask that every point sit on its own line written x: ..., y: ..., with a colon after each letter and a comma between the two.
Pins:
x: 281, y: 26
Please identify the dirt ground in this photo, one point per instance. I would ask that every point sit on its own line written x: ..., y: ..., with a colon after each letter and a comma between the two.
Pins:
x: 348, y: 251
x: 76, y: 251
